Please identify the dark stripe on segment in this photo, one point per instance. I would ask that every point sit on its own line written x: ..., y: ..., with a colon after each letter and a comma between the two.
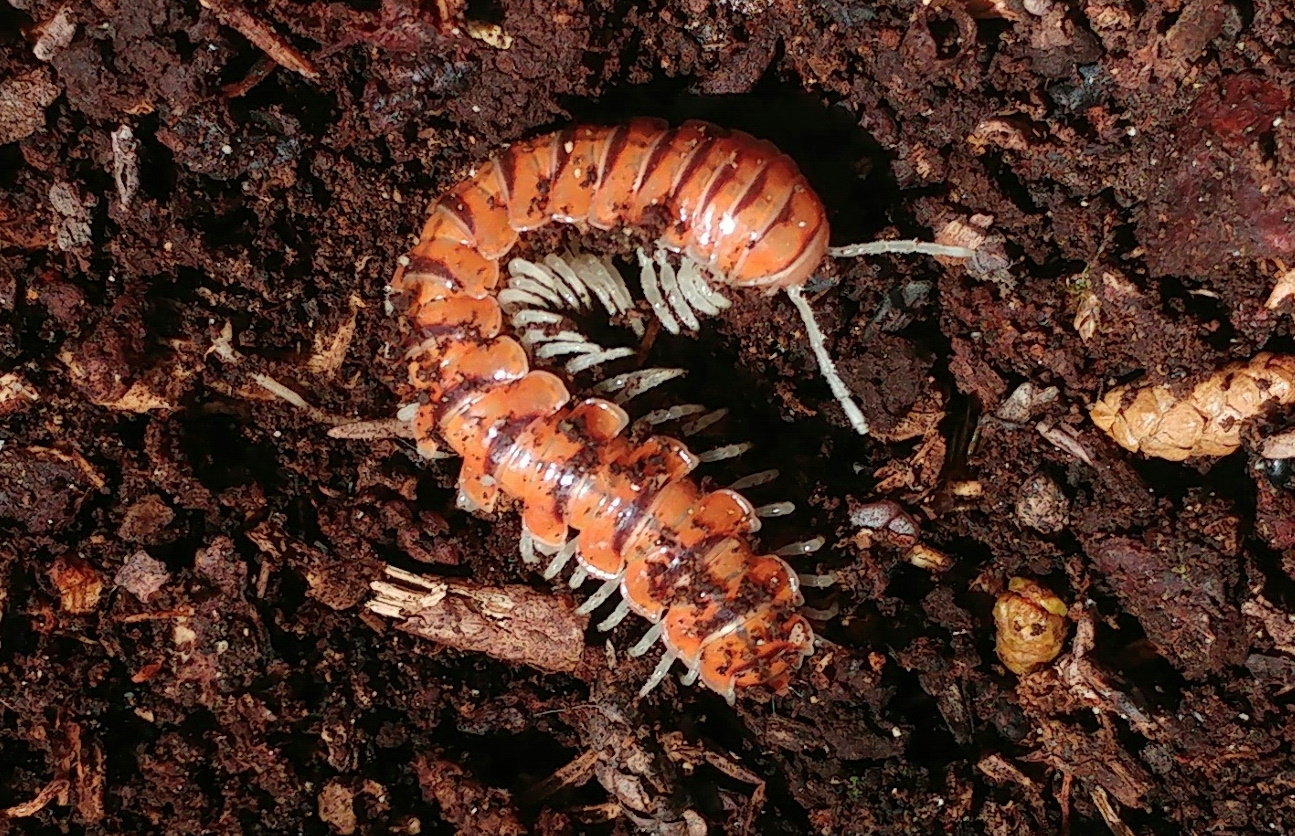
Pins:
x: 586, y: 460
x: 463, y: 214
x: 507, y: 162
x: 808, y: 233
x: 598, y: 143
x: 561, y: 156
x: 505, y: 439
x: 753, y: 192
x: 633, y: 514
x: 421, y: 264
x: 722, y: 176
x: 505, y: 191
x: 615, y: 148
x: 654, y: 159
x: 459, y: 391
x: 784, y: 215
x: 654, y: 477
x: 700, y: 152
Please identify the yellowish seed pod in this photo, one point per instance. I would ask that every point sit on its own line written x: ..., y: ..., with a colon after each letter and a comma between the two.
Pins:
x: 1031, y: 626
x: 1206, y: 421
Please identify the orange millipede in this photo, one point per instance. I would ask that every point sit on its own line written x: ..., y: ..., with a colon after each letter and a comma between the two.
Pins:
x: 731, y: 209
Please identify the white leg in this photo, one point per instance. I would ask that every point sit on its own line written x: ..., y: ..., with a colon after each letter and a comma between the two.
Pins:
x: 511, y: 297
x: 652, y: 292
x: 578, y: 577
x: 764, y: 477
x: 557, y: 348
x: 590, y: 360
x: 728, y: 451
x: 698, y: 424
x: 570, y: 278
x: 664, y: 416
x: 604, y: 592
x: 537, y: 286
x: 615, y: 281
x: 775, y: 509
x: 526, y: 317
x: 673, y: 295
x: 527, y: 545
x: 616, y: 617
x: 698, y: 292
x: 662, y: 668
x: 561, y: 559
x: 802, y: 548
x: 649, y: 639
x: 632, y: 384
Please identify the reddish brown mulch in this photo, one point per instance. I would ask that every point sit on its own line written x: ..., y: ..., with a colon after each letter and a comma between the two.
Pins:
x: 194, y: 196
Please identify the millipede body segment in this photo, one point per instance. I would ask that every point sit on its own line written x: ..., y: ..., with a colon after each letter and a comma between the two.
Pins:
x: 733, y: 207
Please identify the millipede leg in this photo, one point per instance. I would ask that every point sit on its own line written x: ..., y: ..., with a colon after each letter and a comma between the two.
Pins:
x: 764, y: 477
x: 674, y: 413
x: 728, y: 451
x: 649, y: 638
x: 817, y: 581
x: 901, y: 247
x: 630, y: 385
x: 616, y: 617
x: 690, y: 677
x: 821, y: 615
x: 801, y: 548
x: 775, y: 509
x: 527, y: 546
x: 561, y: 559
x: 652, y: 292
x: 698, y: 292
x: 817, y: 342
x: 604, y: 592
x: 578, y: 577
x: 698, y: 424
x: 673, y: 295
x: 597, y: 358
x: 662, y: 668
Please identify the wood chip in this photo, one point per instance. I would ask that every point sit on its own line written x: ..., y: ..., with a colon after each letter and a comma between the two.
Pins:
x: 23, y: 99
x: 125, y: 164
x: 511, y: 623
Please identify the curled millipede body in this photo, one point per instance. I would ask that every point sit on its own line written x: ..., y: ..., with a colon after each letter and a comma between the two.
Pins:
x: 732, y: 209
x: 1207, y: 420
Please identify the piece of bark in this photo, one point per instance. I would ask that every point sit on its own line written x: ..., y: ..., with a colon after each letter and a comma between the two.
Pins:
x: 511, y: 623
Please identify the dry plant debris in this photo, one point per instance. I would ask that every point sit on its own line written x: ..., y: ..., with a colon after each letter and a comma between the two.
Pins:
x: 1031, y: 626
x: 513, y: 623
x: 1157, y: 419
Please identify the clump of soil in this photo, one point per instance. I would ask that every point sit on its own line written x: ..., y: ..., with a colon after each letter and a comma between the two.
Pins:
x: 198, y: 198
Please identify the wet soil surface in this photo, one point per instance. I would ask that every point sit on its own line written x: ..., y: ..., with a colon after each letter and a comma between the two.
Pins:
x: 195, y: 199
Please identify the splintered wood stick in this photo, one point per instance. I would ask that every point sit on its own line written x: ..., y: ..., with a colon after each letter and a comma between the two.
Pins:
x: 510, y: 623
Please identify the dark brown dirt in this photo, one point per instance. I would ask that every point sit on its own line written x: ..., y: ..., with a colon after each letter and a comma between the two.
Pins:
x: 184, y: 557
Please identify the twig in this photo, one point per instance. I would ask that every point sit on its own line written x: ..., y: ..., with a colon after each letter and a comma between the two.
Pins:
x: 38, y: 803
x: 512, y: 623
x: 223, y: 347
x: 261, y: 36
